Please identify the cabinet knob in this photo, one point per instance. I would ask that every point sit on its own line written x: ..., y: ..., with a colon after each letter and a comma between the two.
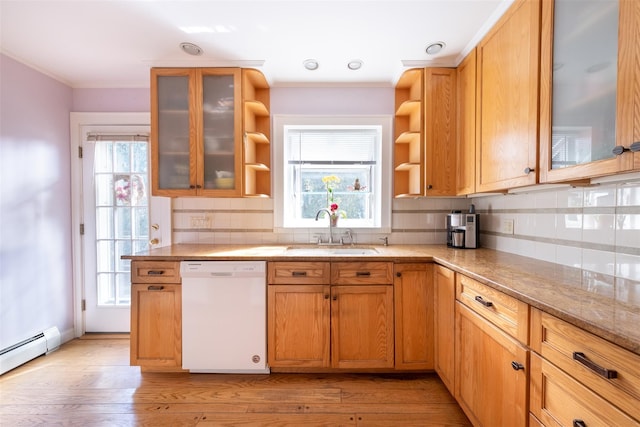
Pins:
x: 579, y: 423
x: 154, y: 241
x: 429, y: 187
x: 335, y: 298
x: 619, y: 149
x: 398, y: 274
x: 635, y: 147
x: 517, y: 366
x: 192, y: 187
x: 483, y: 302
x: 528, y: 170
x: 326, y: 296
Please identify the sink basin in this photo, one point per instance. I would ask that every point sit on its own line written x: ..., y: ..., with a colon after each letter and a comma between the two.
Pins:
x: 324, y: 251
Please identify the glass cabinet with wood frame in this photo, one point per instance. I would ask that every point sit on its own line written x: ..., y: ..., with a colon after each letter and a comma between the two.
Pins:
x: 196, y: 132
x: 590, y: 96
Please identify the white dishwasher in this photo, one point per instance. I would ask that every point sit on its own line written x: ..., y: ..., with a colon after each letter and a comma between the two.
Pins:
x: 224, y: 313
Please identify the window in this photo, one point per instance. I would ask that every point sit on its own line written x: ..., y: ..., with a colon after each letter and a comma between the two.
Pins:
x: 332, y: 161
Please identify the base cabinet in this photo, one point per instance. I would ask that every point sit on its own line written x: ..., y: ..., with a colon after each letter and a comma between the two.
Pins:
x: 491, y: 372
x: 444, y: 288
x: 414, y: 329
x: 330, y: 315
x: 156, y: 316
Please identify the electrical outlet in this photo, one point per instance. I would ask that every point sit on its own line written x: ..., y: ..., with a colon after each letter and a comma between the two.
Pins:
x: 507, y: 226
x: 203, y: 221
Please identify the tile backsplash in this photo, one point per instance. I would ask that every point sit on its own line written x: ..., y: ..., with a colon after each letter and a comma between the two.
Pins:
x: 594, y: 228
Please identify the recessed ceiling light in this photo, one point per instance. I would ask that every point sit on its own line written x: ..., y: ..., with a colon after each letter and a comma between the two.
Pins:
x: 434, y: 48
x: 355, y: 64
x: 191, y: 49
x: 311, y: 64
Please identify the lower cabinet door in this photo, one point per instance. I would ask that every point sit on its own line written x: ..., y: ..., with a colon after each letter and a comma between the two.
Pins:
x: 298, y: 326
x: 362, y: 326
x: 492, y: 372
x: 156, y: 325
x: 559, y: 400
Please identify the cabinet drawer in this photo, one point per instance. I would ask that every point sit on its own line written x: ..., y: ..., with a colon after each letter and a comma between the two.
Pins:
x: 155, y: 272
x: 361, y: 273
x: 508, y: 313
x: 557, y: 399
x: 298, y: 273
x: 559, y: 342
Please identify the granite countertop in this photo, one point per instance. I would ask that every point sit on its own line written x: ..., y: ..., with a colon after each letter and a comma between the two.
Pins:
x: 604, y: 305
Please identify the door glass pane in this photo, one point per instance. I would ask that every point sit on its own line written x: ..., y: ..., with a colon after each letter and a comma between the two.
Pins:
x: 173, y: 132
x: 218, y: 119
x: 122, y: 216
x: 585, y: 52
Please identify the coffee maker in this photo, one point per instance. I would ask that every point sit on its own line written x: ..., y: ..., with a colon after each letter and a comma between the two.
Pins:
x: 463, y: 229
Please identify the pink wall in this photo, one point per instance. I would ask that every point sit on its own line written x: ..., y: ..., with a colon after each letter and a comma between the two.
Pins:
x: 111, y: 100
x: 35, y: 203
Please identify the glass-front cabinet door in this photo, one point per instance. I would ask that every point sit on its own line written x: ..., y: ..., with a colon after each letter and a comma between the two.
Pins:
x: 590, y: 93
x: 195, y: 132
x: 221, y: 131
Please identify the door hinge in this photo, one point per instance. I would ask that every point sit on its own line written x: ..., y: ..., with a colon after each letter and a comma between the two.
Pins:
x: 84, y: 305
x: 80, y: 151
x: 82, y: 229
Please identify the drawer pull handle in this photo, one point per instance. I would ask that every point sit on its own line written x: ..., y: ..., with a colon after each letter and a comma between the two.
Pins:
x: 363, y: 273
x: 299, y: 273
x: 483, y: 302
x: 603, y: 372
x: 155, y: 272
x: 155, y: 288
x: 579, y: 423
x: 517, y: 366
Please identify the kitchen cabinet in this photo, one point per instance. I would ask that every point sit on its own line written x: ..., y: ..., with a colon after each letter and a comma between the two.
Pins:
x: 508, y: 60
x: 444, y: 288
x: 257, y: 134
x: 578, y: 376
x: 210, y: 132
x: 425, y: 132
x: 298, y: 314
x: 330, y: 315
x: 156, y: 315
x: 590, y: 96
x: 492, y: 360
x: 408, y: 147
x: 466, y: 119
x: 413, y: 289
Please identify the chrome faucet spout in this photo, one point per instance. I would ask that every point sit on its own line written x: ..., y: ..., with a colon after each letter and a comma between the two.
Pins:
x: 330, y: 222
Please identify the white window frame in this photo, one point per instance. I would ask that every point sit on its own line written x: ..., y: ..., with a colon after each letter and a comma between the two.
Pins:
x: 278, y: 170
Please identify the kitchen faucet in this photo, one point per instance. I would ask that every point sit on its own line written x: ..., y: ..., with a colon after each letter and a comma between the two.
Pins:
x: 330, y: 242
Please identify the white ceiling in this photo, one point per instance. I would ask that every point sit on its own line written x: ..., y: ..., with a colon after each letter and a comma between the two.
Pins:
x: 113, y: 43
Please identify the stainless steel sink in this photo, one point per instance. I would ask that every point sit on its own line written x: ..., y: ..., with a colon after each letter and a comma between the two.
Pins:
x: 324, y: 251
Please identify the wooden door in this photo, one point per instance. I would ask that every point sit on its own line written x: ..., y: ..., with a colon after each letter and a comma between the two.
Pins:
x: 413, y: 300
x: 488, y: 387
x: 156, y: 325
x: 440, y: 131
x: 298, y: 325
x: 362, y: 326
x: 508, y: 81
x: 444, y: 314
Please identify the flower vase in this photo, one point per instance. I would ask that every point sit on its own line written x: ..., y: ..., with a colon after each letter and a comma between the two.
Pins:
x: 334, y: 220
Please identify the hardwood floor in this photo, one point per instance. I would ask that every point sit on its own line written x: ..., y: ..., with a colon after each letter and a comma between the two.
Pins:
x: 88, y: 382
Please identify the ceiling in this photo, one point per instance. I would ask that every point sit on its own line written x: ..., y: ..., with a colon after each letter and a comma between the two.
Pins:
x: 113, y: 43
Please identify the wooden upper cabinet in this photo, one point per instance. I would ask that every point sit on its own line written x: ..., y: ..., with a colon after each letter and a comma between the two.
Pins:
x: 440, y: 131
x: 466, y: 119
x: 408, y: 151
x: 507, y: 112
x: 210, y: 132
x: 425, y: 132
x: 590, y: 93
x: 257, y: 134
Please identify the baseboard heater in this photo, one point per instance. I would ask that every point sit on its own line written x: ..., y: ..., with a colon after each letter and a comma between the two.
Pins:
x: 43, y: 343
